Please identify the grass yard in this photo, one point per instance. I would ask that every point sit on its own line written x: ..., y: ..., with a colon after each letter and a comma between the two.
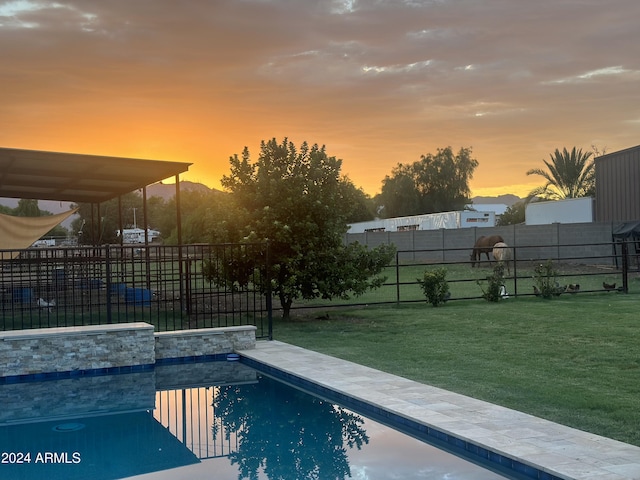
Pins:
x: 574, y: 359
x: 468, y: 283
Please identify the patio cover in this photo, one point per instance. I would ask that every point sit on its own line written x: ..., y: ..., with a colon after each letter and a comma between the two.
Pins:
x: 79, y: 178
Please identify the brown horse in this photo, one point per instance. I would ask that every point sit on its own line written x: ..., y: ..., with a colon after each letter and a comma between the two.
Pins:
x: 484, y: 245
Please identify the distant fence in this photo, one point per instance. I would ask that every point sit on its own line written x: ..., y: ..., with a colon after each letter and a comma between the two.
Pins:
x: 584, y: 267
x: 604, y: 267
x: 162, y: 285
x: 556, y: 240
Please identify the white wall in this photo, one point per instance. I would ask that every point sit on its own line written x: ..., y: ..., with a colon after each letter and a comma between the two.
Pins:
x: 429, y: 221
x: 570, y: 210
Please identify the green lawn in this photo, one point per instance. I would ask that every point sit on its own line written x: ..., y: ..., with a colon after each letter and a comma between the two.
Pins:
x: 574, y: 359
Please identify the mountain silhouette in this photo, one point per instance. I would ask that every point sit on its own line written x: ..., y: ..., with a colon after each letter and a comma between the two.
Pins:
x: 507, y: 199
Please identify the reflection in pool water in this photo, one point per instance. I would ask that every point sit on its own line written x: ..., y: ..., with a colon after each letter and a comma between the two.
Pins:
x: 286, y: 432
x: 220, y: 420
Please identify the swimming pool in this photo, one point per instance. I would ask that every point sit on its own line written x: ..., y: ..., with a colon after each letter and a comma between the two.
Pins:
x: 221, y: 420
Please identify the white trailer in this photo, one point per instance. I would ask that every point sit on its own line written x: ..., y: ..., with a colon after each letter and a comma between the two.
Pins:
x: 45, y: 242
x: 429, y: 221
x: 569, y: 210
x: 136, y: 235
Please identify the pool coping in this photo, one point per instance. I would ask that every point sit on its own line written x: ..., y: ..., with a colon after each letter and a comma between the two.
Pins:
x: 551, y: 449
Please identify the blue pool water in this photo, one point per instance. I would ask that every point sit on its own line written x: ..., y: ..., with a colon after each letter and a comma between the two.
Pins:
x: 213, y: 420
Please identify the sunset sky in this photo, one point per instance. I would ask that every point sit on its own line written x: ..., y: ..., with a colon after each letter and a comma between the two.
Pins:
x: 379, y: 82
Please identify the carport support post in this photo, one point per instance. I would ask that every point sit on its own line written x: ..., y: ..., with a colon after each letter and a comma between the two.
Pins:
x: 145, y: 219
x: 179, y: 229
x: 120, y: 229
x: 93, y: 224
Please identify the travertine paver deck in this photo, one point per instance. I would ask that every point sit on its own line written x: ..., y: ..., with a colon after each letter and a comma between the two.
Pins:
x: 556, y: 449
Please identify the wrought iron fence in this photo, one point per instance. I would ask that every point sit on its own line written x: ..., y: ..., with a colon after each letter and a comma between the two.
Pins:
x: 580, y: 268
x: 577, y: 268
x: 190, y: 286
x: 171, y: 287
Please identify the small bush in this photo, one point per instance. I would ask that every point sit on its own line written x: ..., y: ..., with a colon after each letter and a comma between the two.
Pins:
x: 495, y: 284
x: 434, y: 285
x: 544, y: 277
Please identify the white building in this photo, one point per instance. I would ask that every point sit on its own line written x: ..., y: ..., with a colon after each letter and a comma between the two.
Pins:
x: 569, y: 210
x: 429, y: 221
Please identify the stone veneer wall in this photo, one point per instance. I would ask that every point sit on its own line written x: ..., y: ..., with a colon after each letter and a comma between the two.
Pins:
x: 68, y: 349
x: 96, y: 347
x: 204, y: 341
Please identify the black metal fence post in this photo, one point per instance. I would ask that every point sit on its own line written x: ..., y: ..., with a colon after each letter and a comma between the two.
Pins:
x: 625, y: 267
x: 107, y: 259
x: 515, y: 271
x: 397, y: 277
x: 268, y: 291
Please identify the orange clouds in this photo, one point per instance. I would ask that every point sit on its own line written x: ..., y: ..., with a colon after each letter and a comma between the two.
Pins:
x: 379, y: 83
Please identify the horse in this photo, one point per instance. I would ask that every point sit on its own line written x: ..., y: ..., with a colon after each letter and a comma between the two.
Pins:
x: 502, y: 253
x: 484, y: 245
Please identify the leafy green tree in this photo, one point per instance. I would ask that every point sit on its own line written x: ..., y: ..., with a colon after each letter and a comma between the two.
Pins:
x: 399, y: 196
x: 192, y: 204
x: 435, y: 183
x: 213, y: 216
x: 359, y: 206
x: 210, y: 217
x: 513, y: 215
x: 570, y: 174
x: 157, y: 213
x: 27, y: 208
x: 295, y: 200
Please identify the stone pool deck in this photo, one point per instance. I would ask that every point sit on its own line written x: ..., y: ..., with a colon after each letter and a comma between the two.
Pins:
x: 558, y: 450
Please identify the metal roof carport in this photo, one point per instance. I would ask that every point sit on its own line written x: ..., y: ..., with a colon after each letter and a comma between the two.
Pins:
x: 81, y: 178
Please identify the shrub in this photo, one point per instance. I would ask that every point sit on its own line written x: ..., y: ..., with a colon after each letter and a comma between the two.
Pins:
x: 545, y: 280
x: 434, y: 285
x: 495, y: 284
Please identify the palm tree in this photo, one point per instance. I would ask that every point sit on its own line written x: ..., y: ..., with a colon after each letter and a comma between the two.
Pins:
x: 570, y: 175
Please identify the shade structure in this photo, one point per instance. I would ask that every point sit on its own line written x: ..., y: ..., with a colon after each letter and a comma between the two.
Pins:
x: 80, y: 178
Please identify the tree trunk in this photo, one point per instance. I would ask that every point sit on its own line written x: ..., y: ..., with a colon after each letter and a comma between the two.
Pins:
x: 285, y: 303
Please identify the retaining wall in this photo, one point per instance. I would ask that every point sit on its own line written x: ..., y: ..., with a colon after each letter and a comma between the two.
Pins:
x: 68, y: 349
x: 73, y: 351
x: 204, y: 341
